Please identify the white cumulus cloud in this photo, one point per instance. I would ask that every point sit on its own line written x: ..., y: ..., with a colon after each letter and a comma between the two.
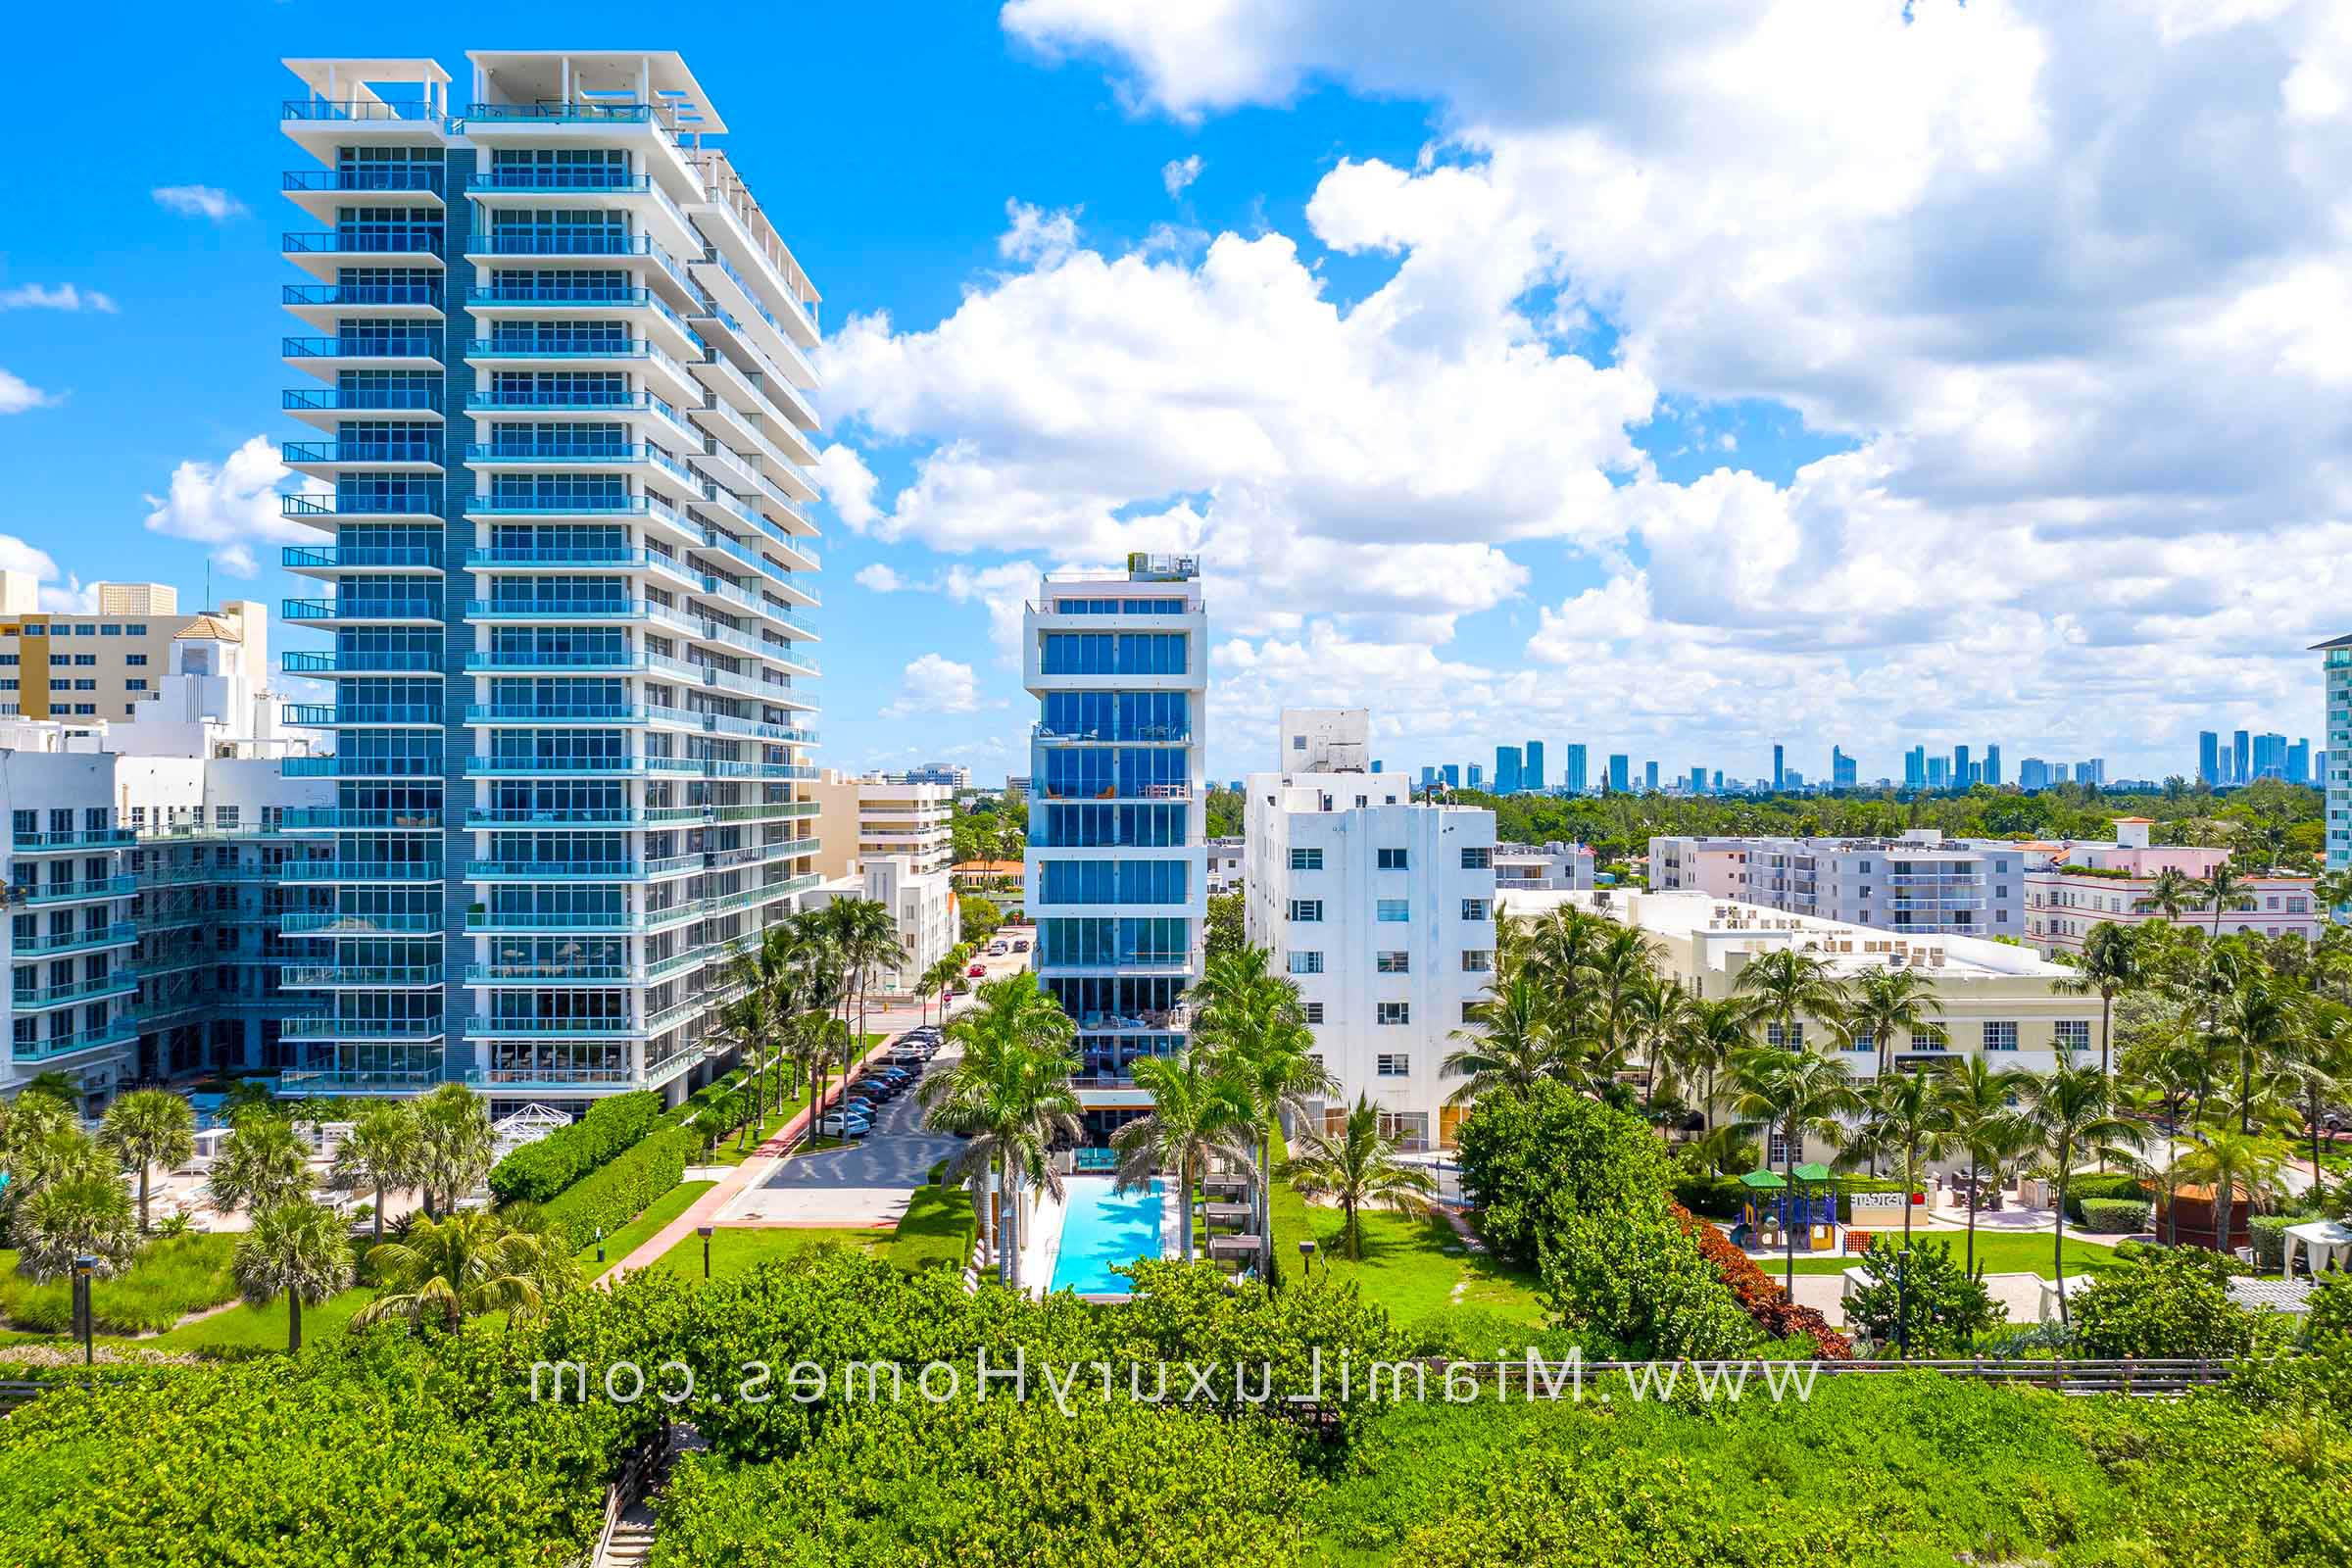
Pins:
x: 56, y: 297
x: 935, y: 685
x: 1178, y: 173
x: 230, y: 506
x: 18, y: 394
x: 199, y: 201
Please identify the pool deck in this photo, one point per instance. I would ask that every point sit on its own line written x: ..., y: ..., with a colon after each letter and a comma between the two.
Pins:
x: 1040, y: 1240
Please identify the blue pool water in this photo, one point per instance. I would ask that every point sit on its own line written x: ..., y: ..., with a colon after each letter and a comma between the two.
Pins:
x: 1101, y: 1229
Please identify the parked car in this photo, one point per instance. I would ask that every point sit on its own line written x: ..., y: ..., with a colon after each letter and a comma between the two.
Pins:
x: 1021, y: 946
x: 835, y: 1126
x: 976, y: 972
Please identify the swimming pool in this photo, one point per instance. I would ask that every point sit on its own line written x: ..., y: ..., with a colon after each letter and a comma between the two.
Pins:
x: 1101, y: 1229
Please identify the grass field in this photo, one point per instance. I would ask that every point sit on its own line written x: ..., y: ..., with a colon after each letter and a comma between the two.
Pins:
x: 170, y: 1277
x: 1415, y: 1268
x: 736, y: 1247
x: 641, y: 1230
x: 248, y: 1328
x: 2002, y: 1253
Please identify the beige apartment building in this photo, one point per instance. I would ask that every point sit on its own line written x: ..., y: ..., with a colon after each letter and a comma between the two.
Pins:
x: 864, y: 818
x: 102, y: 666
x: 1992, y: 999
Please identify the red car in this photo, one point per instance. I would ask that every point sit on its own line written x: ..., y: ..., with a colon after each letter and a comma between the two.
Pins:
x: 977, y: 970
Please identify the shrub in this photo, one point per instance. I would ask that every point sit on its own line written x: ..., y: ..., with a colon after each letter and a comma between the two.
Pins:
x: 608, y: 1198
x: 1937, y: 1306
x: 1531, y: 1162
x: 1716, y: 1196
x: 2114, y: 1184
x: 172, y: 1277
x: 2171, y: 1303
x: 537, y: 1172
x: 2331, y: 1308
x: 1766, y: 1304
x: 1639, y: 1278
x: 2116, y: 1216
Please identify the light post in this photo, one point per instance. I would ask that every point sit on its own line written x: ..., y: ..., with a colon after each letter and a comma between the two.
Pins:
x: 84, y: 1267
x: 705, y: 1232
x: 600, y: 1247
x: 1306, y: 1256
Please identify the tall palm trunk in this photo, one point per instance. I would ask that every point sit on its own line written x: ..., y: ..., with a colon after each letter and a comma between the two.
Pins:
x: 1184, y: 1203
x: 2106, y: 1027
x: 379, y: 1212
x: 2058, y: 1237
x: 293, y: 1321
x: 1972, y: 1214
x: 1788, y: 1208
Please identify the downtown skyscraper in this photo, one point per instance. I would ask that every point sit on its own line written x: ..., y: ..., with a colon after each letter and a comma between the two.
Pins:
x: 558, y: 363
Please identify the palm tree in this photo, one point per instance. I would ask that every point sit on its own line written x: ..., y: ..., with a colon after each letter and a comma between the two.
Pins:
x: 1255, y: 1024
x: 80, y: 1208
x: 936, y: 979
x: 1785, y: 987
x: 1980, y: 1107
x: 1510, y: 1047
x: 751, y: 1019
x: 2110, y: 967
x: 1792, y: 1092
x: 297, y: 1250
x: 1882, y: 1000
x: 1625, y: 964
x: 2173, y: 890
x: 1653, y: 1015
x: 147, y: 1128
x: 2072, y: 1113
x: 1906, y: 1115
x: 1197, y: 1115
x: 2230, y: 1161
x: 1010, y: 1092
x: 1357, y: 1167
x: 2257, y: 1022
x: 456, y: 1146
x: 2322, y: 1067
x: 1706, y: 1036
x: 261, y: 1165
x: 2217, y: 891
x: 458, y: 1267
x: 57, y: 1085
x: 381, y: 1152
x: 870, y: 945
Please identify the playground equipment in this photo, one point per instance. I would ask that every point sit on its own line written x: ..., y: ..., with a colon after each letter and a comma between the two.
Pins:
x: 1772, y: 1210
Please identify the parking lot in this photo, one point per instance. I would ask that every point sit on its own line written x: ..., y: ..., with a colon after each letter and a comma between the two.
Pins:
x: 867, y: 1182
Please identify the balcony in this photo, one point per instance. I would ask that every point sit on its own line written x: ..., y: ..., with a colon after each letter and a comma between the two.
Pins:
x: 328, y: 511
x: 355, y: 1029
x: 570, y: 403
x: 76, y: 838
x: 503, y: 1028
x: 341, y: 819
x: 121, y: 983
x: 525, y: 920
x: 346, y: 766
x: 578, y: 767
x: 120, y: 1031
x: 323, y: 192
x: 327, y: 405
x: 120, y: 934
x: 332, y: 1081
x: 533, y: 610
x: 331, y: 924
x: 360, y: 661
x: 326, y: 357
x: 593, y: 503
x: 323, y: 253
x: 333, y: 612
x: 82, y: 892
x: 1120, y: 735
x: 619, y: 661
x: 339, y: 561
x: 562, y: 454
x: 362, y: 871
x: 322, y: 305
x: 364, y: 976
x: 507, y: 870
x: 356, y: 715
x: 552, y: 1079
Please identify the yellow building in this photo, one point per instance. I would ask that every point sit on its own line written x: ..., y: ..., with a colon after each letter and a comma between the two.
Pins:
x: 100, y: 667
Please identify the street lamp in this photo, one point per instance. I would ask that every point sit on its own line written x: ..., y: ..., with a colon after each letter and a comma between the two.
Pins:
x: 705, y: 1232
x: 600, y: 1246
x: 1306, y: 1256
x: 84, y: 1267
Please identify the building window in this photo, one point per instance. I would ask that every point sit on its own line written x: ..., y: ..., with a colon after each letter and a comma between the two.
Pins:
x: 134, y: 628
x: 1477, y: 909
x: 1313, y: 1011
x: 2002, y: 1036
x: 85, y: 661
x: 1391, y: 964
x: 134, y: 685
x: 135, y: 660
x: 1306, y: 963
x: 1306, y: 859
x: 1394, y: 861
x: 1478, y: 960
x: 1310, y: 909
x: 1791, y: 1038
x: 1930, y: 1037
x: 1391, y: 1012
x: 2074, y: 1034
x: 1864, y: 1042
x: 1478, y: 859
x: 1393, y: 909
x: 1470, y: 1012
x: 1393, y: 1065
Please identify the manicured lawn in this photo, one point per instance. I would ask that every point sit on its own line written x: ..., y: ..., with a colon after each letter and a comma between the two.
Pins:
x: 247, y: 1328
x: 729, y: 1153
x: 936, y: 1231
x: 1415, y: 1268
x: 643, y: 1229
x: 2003, y: 1254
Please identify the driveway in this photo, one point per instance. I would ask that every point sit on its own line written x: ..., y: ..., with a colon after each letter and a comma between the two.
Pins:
x: 867, y: 1183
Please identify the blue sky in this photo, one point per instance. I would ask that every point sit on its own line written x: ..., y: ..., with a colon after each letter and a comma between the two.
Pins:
x: 1518, y: 377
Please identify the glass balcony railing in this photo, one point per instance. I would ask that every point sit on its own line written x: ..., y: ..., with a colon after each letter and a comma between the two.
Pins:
x: 335, y: 923
x: 333, y: 1028
x: 341, y: 819
x: 354, y: 296
x: 406, y: 178
x: 362, y: 661
x: 387, y: 240
x: 102, y: 887
x: 589, y: 504
x: 121, y: 983
x: 554, y: 870
x: 501, y: 453
x: 348, y: 766
x: 554, y: 921
x: 120, y: 1031
x: 294, y: 452
x: 551, y: 610
x: 331, y: 715
x: 567, y: 113
x: 360, y: 974
x: 414, y: 505
x: 75, y: 838
x: 361, y: 871
x: 359, y: 610
x: 120, y: 933
x: 410, y: 346
x: 347, y: 400
x: 361, y: 111
x: 413, y: 558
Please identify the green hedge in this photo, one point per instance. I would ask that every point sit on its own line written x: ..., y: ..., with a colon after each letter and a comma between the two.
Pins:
x: 2114, y: 1184
x: 537, y: 1172
x: 610, y: 1197
x: 2116, y: 1216
x: 2268, y: 1233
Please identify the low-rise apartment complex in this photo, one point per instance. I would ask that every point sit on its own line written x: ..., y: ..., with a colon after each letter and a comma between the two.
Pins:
x: 2073, y: 886
x: 1918, y: 884
x: 1553, y: 868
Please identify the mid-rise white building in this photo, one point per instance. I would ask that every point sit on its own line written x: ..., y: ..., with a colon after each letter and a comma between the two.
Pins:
x: 1116, y: 865
x: 1382, y: 912
x: 2073, y: 886
x: 859, y: 818
x: 1917, y: 884
x: 922, y: 906
x: 1226, y: 858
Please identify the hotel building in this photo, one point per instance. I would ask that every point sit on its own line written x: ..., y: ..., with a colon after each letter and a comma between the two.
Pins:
x: 1918, y: 884
x: 2073, y: 886
x: 554, y: 357
x: 1116, y: 866
x: 81, y: 667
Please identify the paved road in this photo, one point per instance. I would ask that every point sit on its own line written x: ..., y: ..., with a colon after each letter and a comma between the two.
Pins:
x: 898, y: 1153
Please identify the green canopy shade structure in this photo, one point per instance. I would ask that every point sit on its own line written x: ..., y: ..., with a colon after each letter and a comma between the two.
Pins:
x: 1763, y: 1180
x: 1812, y: 1173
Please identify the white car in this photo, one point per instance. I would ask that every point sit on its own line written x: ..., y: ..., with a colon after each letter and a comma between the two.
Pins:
x: 834, y: 1126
